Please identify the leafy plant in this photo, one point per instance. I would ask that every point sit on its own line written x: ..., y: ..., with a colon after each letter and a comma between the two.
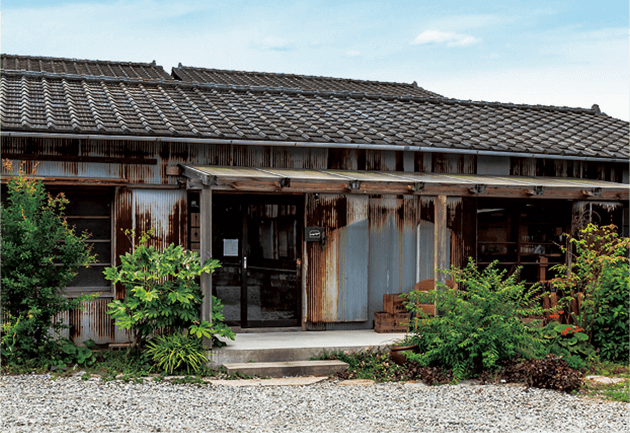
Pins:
x: 569, y: 342
x: 599, y: 270
x: 177, y: 351
x: 68, y: 354
x: 163, y: 296
x: 611, y: 322
x: 479, y: 323
x: 41, y: 255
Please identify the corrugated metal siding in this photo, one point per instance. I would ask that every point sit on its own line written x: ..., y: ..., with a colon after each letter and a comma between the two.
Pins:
x: 313, y: 158
x: 353, y: 262
x: 92, y: 322
x: 384, y: 160
x: 393, y: 237
x: 164, y: 211
x: 336, y: 271
x: 427, y: 248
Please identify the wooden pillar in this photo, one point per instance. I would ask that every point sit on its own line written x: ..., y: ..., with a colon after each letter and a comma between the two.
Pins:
x: 205, y: 249
x: 441, y: 258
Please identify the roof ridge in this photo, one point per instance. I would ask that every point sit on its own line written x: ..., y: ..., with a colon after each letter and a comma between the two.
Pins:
x: 348, y: 94
x: 117, y: 62
x: 283, y: 74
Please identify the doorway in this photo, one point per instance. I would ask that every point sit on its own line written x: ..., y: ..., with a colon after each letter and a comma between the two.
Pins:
x: 258, y: 239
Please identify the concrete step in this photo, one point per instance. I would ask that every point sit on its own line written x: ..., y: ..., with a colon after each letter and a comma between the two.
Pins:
x: 287, y: 368
x: 297, y: 346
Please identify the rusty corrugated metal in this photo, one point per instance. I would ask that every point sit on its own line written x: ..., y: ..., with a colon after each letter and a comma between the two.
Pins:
x: 353, y: 262
x: 123, y: 211
x: 313, y: 158
x: 384, y: 160
x: 91, y: 322
x: 336, y: 271
x: 393, y: 237
x: 164, y: 211
x: 455, y: 219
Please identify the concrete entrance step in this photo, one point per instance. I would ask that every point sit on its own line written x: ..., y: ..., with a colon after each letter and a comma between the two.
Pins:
x: 287, y: 368
x: 297, y: 346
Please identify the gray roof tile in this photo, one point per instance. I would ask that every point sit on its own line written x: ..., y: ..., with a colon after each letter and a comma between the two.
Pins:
x: 96, y: 68
x: 69, y: 103
x: 343, y: 87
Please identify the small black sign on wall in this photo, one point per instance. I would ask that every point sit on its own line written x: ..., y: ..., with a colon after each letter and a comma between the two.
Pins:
x: 313, y: 234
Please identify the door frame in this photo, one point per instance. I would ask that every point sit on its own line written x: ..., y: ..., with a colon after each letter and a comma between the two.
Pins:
x: 244, y: 200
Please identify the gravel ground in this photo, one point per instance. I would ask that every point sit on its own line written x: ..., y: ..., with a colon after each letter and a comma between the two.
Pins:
x: 36, y: 403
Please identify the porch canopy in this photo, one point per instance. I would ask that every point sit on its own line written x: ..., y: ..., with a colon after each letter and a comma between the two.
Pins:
x: 279, y: 180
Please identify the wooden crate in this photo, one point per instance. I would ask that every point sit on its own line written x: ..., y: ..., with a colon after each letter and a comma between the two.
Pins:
x: 427, y: 309
x: 387, y: 322
x: 394, y: 304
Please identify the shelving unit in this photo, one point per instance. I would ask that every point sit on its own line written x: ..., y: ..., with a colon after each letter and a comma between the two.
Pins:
x: 522, y: 234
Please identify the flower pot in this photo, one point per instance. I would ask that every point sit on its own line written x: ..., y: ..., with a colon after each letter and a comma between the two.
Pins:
x: 397, y: 353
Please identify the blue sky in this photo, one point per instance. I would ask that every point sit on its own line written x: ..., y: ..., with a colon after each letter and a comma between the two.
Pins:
x: 573, y: 53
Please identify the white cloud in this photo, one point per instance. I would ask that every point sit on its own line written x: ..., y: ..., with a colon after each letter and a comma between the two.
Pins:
x: 277, y: 44
x: 449, y: 38
x: 353, y: 54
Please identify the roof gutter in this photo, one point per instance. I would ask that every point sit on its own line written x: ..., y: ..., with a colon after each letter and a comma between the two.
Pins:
x: 304, y: 144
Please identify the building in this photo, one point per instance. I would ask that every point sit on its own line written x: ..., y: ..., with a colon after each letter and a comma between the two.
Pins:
x: 318, y: 195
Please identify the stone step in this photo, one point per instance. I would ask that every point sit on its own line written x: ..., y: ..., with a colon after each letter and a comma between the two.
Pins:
x: 287, y: 368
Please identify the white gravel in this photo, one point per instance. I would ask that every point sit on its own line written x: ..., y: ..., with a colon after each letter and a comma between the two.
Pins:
x: 37, y: 403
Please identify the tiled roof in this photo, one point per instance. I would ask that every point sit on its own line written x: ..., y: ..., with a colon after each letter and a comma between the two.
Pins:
x: 291, y: 81
x: 54, y: 103
x: 97, y: 68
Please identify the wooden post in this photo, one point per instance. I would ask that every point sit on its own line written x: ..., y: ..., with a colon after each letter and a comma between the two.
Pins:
x: 441, y: 258
x: 205, y: 198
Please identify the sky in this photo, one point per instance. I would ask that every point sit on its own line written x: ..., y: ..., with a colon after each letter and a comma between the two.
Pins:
x: 565, y: 53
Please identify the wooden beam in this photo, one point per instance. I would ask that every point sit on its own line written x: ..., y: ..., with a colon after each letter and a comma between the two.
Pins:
x: 205, y: 199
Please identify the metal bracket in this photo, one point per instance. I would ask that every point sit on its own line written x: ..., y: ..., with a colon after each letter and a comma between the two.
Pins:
x: 354, y: 184
x: 479, y: 188
x: 595, y: 192
x: 537, y: 190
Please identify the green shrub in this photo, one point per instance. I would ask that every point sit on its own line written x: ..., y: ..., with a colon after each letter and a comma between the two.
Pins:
x: 163, y: 295
x: 41, y: 255
x: 599, y: 269
x: 597, y: 252
x: 611, y: 324
x: 177, y: 352
x: 479, y: 323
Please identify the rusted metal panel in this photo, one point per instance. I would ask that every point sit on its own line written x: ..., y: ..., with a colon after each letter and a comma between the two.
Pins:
x: 123, y: 220
x: 251, y: 156
x: 322, y: 302
x: 392, y: 263
x: 300, y: 157
x: 92, y: 322
x: 522, y: 166
x: 426, y: 268
x: 384, y: 160
x: 164, y: 211
x: 455, y: 221
x: 353, y: 262
x: 343, y: 159
x: 336, y: 270
x: 442, y: 241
